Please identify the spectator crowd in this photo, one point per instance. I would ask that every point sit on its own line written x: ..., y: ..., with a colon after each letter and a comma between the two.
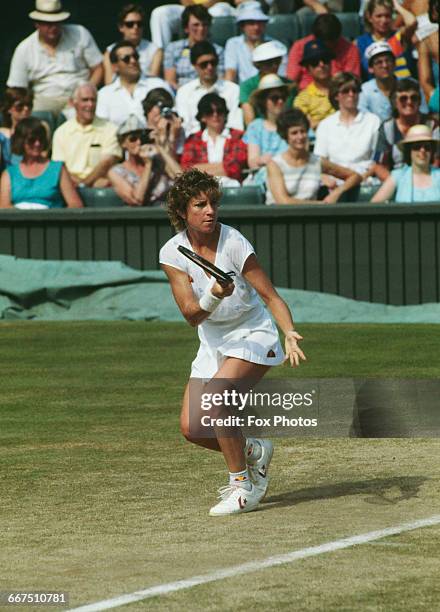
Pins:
x: 328, y: 119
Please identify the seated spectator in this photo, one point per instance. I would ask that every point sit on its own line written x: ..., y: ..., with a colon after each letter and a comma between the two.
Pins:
x: 86, y: 144
x: 215, y: 149
x: 147, y: 173
x: 328, y: 30
x: 204, y: 58
x: 261, y: 136
x: 17, y: 105
x: 267, y: 59
x: 159, y: 116
x: 376, y: 93
x: 131, y: 26
x: 427, y: 45
x: 378, y: 22
x: 348, y: 137
x: 123, y: 97
x: 293, y: 177
x: 55, y: 58
x: 165, y: 19
x: 417, y: 180
x: 36, y: 182
x: 178, y: 69
x: 313, y: 100
x: 239, y: 64
x: 405, y: 101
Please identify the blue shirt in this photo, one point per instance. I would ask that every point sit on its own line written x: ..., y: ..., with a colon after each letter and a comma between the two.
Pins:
x: 268, y: 141
x: 177, y: 55
x: 406, y: 192
x: 238, y: 57
x: 43, y: 189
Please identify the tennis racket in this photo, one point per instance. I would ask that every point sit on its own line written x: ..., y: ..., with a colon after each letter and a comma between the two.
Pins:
x: 222, y: 277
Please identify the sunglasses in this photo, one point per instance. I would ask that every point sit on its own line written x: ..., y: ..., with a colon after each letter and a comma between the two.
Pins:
x: 132, y: 24
x: 203, y: 65
x: 418, y: 146
x: 126, y: 58
x: 315, y: 62
x: 134, y: 137
x: 347, y: 90
x: 20, y: 106
x: 215, y: 111
x: 404, y: 99
x: 276, y: 97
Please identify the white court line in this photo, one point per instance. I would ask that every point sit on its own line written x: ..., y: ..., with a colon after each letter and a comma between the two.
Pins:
x: 254, y: 566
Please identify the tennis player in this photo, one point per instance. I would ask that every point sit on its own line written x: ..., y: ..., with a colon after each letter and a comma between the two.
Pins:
x: 238, y: 338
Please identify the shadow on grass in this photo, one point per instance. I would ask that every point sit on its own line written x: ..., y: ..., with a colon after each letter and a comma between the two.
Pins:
x: 379, y: 491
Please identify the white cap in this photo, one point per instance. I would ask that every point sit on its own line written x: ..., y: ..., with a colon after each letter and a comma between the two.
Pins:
x: 268, y: 50
x: 376, y: 48
x: 250, y: 11
x: 132, y: 124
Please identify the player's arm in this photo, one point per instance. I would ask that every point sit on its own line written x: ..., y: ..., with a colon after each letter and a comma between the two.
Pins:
x: 186, y: 300
x: 259, y: 280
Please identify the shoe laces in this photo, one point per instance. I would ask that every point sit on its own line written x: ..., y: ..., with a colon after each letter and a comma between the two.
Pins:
x: 227, y: 490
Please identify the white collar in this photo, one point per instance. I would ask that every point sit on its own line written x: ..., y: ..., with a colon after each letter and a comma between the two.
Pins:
x: 225, y: 134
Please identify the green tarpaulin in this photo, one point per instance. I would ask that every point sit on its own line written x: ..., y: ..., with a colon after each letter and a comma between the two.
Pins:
x: 80, y: 290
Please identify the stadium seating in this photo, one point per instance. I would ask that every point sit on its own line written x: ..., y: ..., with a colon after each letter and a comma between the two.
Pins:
x: 284, y: 28
x: 100, y: 198
x: 238, y: 196
x: 221, y: 29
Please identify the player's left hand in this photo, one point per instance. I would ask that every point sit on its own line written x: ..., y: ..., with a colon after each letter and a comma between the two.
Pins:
x: 293, y: 353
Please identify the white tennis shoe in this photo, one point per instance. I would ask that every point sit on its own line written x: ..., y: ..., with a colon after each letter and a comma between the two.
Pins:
x: 259, y: 468
x: 236, y: 499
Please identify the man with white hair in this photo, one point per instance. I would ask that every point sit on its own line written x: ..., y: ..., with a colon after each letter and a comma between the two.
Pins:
x: 86, y: 144
x: 55, y: 58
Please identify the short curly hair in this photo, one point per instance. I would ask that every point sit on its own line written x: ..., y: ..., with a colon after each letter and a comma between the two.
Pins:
x: 293, y: 117
x: 188, y: 185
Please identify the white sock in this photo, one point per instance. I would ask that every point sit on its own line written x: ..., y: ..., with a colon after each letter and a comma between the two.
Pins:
x: 252, y: 450
x: 240, y: 478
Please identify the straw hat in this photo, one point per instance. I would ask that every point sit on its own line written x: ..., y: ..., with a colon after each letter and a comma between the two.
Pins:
x: 49, y: 10
x: 268, y: 81
x: 417, y: 133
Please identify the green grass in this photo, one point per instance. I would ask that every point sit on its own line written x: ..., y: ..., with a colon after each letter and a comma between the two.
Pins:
x: 101, y: 496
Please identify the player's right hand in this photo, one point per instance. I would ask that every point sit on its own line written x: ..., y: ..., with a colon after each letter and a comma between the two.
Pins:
x: 221, y: 291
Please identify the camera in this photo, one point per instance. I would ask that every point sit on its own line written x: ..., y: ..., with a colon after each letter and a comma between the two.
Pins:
x: 165, y: 111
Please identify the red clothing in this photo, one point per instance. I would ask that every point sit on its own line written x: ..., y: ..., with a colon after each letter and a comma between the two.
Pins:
x: 195, y: 151
x: 347, y: 60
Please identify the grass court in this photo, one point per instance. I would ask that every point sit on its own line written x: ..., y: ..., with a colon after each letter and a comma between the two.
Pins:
x: 101, y: 496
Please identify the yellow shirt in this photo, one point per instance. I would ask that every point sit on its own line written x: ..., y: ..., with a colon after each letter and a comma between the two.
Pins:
x: 82, y: 147
x: 314, y: 103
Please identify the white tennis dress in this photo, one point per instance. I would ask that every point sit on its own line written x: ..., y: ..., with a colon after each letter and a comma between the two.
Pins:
x: 241, y: 326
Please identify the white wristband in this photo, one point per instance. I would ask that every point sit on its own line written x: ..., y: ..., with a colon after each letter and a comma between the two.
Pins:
x: 208, y: 301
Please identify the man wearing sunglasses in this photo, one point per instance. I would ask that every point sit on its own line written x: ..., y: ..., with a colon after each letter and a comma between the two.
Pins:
x: 123, y: 97
x: 55, y: 58
x: 204, y: 58
x: 313, y: 100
